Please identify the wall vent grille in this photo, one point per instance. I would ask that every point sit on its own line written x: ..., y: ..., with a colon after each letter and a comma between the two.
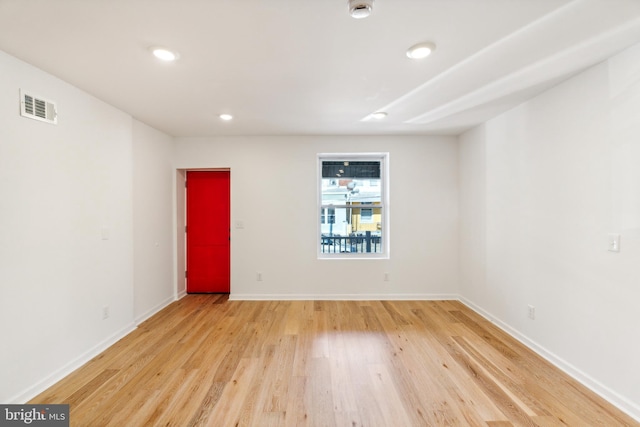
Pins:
x: 37, y: 108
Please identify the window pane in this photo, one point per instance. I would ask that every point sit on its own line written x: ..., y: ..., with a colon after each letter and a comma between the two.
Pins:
x: 348, y: 234
x: 347, y: 182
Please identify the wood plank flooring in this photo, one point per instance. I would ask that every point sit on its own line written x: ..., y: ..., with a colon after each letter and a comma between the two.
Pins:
x: 207, y: 361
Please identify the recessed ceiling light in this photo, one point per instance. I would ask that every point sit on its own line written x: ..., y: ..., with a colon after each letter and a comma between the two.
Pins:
x: 225, y: 117
x: 421, y: 50
x: 164, y: 54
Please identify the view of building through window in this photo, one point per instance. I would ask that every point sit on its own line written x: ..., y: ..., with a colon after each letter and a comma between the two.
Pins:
x: 352, y: 205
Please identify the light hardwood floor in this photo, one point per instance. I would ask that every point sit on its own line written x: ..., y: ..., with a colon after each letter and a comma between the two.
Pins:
x: 205, y: 360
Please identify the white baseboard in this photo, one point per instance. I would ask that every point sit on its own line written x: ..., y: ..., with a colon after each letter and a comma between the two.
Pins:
x: 340, y: 297
x: 59, y: 374
x: 154, y: 310
x: 624, y: 404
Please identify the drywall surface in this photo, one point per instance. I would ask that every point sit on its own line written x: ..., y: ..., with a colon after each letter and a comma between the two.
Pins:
x: 274, y: 193
x: 541, y: 188
x: 66, y: 257
x: 154, y: 285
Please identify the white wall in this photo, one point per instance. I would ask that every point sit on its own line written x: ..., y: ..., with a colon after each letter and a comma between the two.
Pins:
x: 154, y: 285
x: 274, y: 192
x: 179, y: 238
x: 541, y: 186
x: 61, y: 187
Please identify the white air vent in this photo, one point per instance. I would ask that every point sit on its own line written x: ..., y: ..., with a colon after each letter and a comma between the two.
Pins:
x: 34, y: 107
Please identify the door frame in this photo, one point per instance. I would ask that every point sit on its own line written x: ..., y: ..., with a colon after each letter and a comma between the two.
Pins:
x: 180, y: 221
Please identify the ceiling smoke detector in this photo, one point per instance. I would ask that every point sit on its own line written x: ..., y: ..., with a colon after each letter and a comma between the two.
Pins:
x: 359, y: 9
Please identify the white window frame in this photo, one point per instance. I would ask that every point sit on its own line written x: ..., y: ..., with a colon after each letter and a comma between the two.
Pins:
x: 384, y: 206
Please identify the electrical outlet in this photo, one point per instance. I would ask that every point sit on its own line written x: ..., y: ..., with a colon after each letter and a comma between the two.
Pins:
x: 532, y: 312
x: 259, y: 276
x: 613, y: 243
x: 105, y: 312
x: 386, y: 277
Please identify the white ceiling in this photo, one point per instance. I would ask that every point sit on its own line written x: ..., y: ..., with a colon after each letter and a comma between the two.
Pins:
x: 294, y: 67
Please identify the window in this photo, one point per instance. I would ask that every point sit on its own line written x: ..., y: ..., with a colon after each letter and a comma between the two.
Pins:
x: 366, y: 215
x: 352, y: 206
x: 328, y: 216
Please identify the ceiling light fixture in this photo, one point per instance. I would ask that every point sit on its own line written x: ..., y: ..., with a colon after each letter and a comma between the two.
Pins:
x: 421, y: 50
x: 225, y: 117
x: 359, y: 9
x: 164, y: 54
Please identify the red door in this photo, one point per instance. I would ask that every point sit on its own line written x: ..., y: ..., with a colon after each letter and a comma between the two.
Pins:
x: 208, y: 232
